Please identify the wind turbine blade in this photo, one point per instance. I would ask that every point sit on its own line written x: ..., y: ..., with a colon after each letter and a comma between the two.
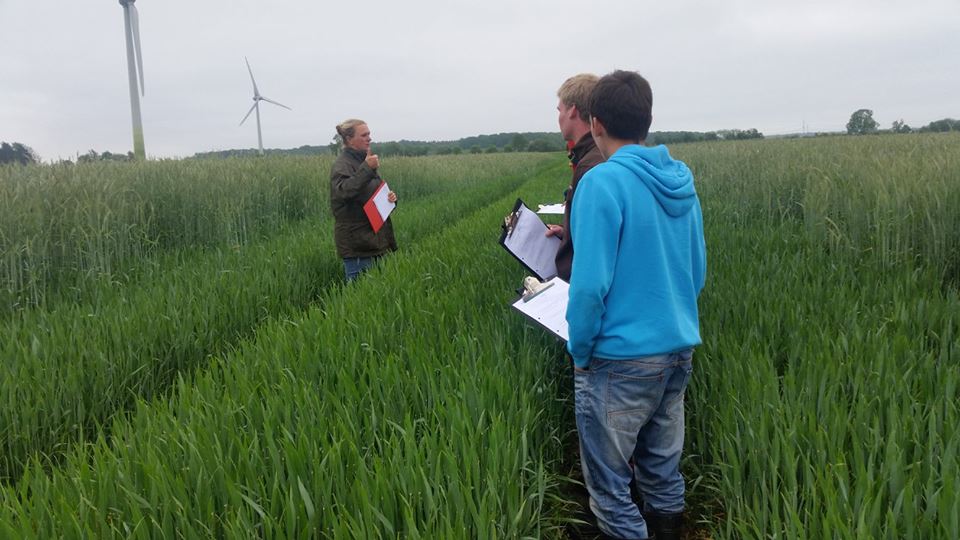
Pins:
x: 255, y: 91
x: 135, y: 23
x: 275, y: 103
x: 248, y: 113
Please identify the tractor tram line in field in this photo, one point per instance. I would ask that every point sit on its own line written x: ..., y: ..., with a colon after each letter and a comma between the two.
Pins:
x: 413, y: 403
x: 277, y: 374
x: 135, y: 341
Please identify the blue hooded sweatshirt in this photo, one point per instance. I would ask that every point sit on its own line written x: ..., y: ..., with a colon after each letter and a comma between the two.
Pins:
x: 640, y: 259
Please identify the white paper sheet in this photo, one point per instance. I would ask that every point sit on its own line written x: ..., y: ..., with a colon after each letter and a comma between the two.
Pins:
x: 384, y: 207
x: 528, y: 242
x: 548, y: 308
x: 550, y: 208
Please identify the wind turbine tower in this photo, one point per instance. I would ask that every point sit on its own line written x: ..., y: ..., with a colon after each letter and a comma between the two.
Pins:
x: 257, y: 98
x: 131, y: 26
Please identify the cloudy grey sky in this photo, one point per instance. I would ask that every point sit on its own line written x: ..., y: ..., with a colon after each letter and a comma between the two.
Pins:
x: 438, y: 70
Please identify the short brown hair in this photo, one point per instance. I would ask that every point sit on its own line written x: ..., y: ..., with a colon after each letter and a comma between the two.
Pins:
x: 575, y: 91
x: 623, y: 102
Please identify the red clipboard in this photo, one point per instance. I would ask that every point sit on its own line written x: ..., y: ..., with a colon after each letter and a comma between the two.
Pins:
x: 371, y: 210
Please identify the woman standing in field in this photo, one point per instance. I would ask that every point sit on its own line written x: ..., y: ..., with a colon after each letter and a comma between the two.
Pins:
x: 353, y: 180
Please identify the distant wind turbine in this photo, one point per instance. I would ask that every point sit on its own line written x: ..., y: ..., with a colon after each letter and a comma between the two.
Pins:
x: 131, y: 25
x: 257, y: 98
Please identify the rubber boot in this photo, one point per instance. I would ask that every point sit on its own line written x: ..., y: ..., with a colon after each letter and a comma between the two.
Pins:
x: 664, y: 526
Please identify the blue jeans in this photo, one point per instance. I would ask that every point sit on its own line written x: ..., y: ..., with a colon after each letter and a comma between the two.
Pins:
x: 632, y: 410
x: 354, y: 266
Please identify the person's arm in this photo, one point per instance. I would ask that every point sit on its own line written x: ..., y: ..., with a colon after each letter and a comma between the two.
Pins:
x: 347, y: 183
x: 595, y: 222
x: 700, y: 265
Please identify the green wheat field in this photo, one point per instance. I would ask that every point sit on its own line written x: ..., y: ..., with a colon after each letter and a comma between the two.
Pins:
x: 179, y: 356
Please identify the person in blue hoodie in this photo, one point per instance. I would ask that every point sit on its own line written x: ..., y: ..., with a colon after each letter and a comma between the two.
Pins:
x: 632, y: 314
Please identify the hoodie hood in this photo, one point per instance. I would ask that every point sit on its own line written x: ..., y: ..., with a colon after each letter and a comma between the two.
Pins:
x: 670, y: 181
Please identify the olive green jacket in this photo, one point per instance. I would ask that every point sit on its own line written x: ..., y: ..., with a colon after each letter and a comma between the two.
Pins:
x: 352, y: 183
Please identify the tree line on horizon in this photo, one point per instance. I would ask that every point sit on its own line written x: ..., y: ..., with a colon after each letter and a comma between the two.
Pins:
x: 489, y: 144
x: 478, y: 144
x: 17, y: 153
x: 861, y: 123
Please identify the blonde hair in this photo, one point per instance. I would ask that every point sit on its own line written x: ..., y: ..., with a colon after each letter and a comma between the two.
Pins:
x: 575, y: 91
x: 348, y: 128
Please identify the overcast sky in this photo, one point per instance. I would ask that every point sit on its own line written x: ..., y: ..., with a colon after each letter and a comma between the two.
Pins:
x: 440, y: 70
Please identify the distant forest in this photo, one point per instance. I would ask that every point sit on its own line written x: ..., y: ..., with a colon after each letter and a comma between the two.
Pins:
x: 861, y: 123
x: 480, y: 144
x: 553, y: 142
x: 487, y: 144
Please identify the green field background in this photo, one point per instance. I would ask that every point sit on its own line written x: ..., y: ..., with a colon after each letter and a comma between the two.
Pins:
x: 181, y: 358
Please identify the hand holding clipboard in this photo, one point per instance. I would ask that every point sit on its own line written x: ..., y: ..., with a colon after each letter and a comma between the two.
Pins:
x: 379, y: 206
x: 524, y: 236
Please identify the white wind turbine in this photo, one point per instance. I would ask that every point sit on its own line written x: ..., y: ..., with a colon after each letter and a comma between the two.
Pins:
x: 131, y: 25
x: 257, y: 98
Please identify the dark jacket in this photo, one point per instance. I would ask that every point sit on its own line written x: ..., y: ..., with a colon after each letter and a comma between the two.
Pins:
x: 352, y: 183
x: 583, y: 156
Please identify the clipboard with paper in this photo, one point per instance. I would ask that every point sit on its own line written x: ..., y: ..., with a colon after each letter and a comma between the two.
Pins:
x: 524, y: 236
x: 379, y: 207
x: 547, y: 307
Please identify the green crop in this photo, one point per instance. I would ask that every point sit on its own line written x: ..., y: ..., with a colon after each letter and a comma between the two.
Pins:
x: 230, y: 386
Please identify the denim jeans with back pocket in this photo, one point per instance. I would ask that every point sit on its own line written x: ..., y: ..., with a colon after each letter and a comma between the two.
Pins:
x: 632, y: 410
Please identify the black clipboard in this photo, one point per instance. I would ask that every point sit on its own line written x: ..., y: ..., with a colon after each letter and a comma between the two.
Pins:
x: 524, y: 236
